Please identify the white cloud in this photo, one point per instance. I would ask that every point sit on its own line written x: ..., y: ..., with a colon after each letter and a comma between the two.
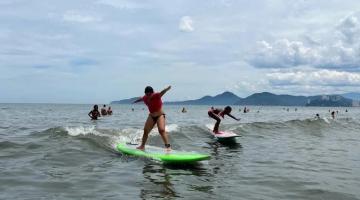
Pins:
x: 74, y: 16
x: 136, y: 36
x: 339, y: 49
x: 313, y: 77
x: 121, y: 4
x: 186, y: 24
x: 349, y: 27
x: 283, y: 53
x: 247, y: 87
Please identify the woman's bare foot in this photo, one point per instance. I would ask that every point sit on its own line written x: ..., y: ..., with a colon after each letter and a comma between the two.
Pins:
x: 142, y: 148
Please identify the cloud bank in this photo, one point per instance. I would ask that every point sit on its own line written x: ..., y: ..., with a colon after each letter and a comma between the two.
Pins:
x: 49, y: 52
x: 340, y: 50
x: 321, y: 77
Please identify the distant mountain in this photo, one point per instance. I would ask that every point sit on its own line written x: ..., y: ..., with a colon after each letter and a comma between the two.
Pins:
x: 352, y: 95
x: 124, y: 101
x: 226, y: 98
x: 263, y: 99
x: 331, y: 100
x: 269, y: 99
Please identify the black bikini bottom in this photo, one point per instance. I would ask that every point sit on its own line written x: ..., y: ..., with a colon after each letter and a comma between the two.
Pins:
x: 155, y: 119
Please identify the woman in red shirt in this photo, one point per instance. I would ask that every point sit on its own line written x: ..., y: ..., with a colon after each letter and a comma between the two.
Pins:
x: 156, y: 115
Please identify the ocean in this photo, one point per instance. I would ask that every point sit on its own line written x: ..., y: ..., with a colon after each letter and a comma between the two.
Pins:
x: 54, y: 151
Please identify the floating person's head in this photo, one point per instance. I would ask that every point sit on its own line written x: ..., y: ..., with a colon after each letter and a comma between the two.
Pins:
x: 227, y: 110
x: 149, y: 90
x: 104, y: 105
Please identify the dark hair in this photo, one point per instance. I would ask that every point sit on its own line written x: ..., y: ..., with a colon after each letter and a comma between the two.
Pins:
x: 104, y: 105
x: 228, y: 108
x: 149, y: 89
x: 95, y: 107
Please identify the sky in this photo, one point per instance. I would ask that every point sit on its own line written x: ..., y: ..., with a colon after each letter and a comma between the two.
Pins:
x: 97, y: 51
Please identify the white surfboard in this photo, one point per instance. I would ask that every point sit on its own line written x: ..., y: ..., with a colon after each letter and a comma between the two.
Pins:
x: 223, y: 135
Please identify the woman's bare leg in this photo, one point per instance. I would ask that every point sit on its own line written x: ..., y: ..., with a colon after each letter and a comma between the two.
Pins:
x: 149, y: 124
x: 218, y: 120
x: 162, y: 131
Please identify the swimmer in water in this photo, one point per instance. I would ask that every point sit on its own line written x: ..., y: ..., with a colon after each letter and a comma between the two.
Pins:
x: 103, y: 110
x: 94, y: 114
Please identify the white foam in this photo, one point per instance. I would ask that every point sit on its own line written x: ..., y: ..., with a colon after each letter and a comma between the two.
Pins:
x: 210, y: 126
x: 91, y: 131
x: 76, y: 131
x: 127, y: 135
x: 115, y: 140
x: 326, y: 120
x: 134, y: 135
x: 235, y: 127
x: 171, y: 127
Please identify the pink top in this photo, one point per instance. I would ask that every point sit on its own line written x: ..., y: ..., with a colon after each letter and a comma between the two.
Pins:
x: 217, y: 111
x: 153, y: 102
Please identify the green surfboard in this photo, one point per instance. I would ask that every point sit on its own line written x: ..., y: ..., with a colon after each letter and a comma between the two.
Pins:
x: 160, y: 154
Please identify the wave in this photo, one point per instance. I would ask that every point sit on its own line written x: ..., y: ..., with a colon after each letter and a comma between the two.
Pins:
x: 8, y: 144
x: 105, y: 138
x: 300, y: 125
x: 127, y: 135
x: 13, y: 145
x: 109, y: 138
x: 257, y: 126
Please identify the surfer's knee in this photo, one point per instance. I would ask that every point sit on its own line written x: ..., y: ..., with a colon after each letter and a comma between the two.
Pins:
x: 147, y: 130
x: 162, y: 131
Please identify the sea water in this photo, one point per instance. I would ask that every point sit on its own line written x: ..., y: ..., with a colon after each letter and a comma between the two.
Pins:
x: 54, y: 151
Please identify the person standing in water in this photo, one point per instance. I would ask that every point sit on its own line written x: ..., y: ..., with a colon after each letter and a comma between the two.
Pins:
x: 103, y: 110
x: 156, y: 115
x: 333, y: 114
x: 109, y: 111
x: 216, y: 113
x: 94, y: 114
